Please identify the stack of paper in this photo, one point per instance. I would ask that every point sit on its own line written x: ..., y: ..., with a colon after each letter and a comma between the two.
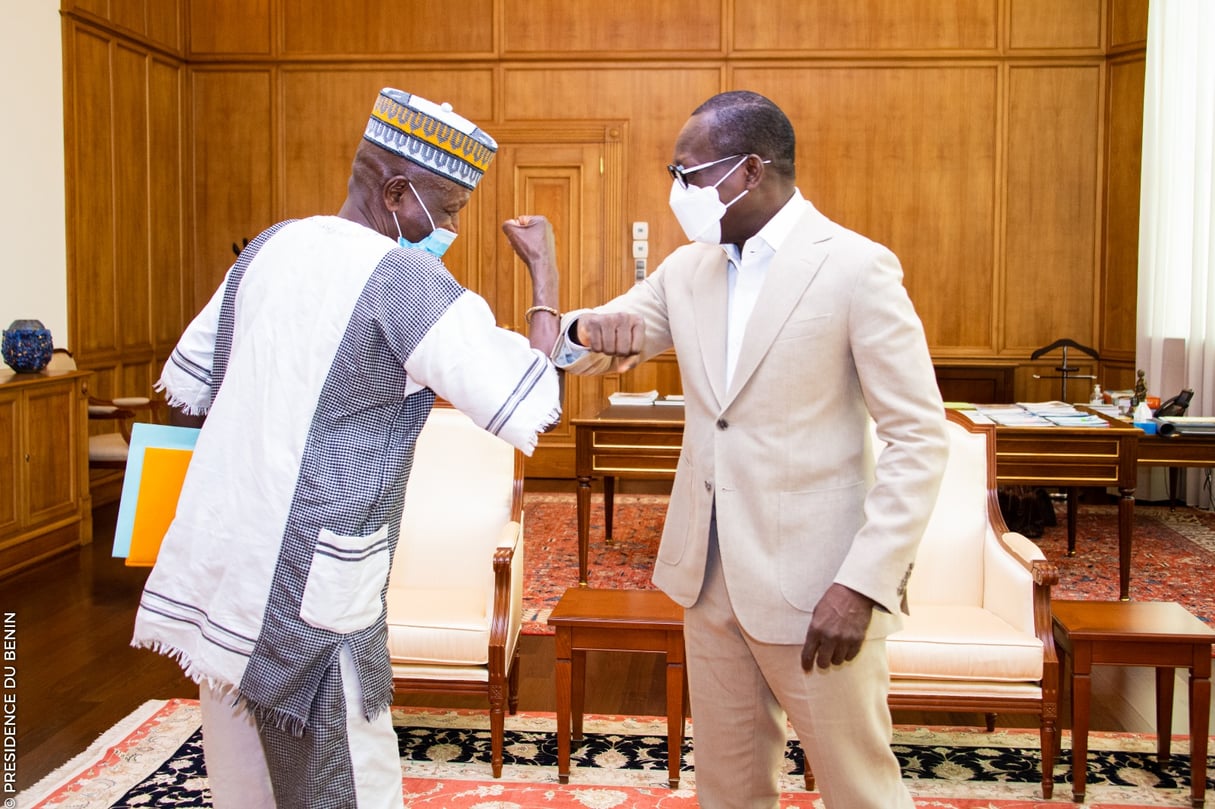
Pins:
x: 623, y: 398
x: 1013, y: 416
x: 1041, y: 414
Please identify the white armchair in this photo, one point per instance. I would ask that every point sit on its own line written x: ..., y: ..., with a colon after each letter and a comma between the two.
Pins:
x: 979, y: 635
x: 455, y: 594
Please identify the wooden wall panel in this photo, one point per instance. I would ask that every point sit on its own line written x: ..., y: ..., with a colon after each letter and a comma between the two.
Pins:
x: 131, y: 237
x: 325, y: 112
x: 655, y: 101
x: 165, y: 24
x: 891, y: 153
x: 1055, y: 25
x: 229, y: 28
x: 992, y: 144
x: 1052, y: 224
x: 606, y: 29
x: 866, y: 25
x: 166, y: 220
x: 97, y: 8
x: 232, y: 178
x: 152, y: 22
x: 123, y: 142
x: 413, y: 27
x: 130, y: 14
x: 90, y: 229
x: 1123, y: 172
x: 1128, y: 23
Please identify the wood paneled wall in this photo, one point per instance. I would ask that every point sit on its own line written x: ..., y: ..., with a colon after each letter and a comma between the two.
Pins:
x: 992, y: 144
x: 125, y: 141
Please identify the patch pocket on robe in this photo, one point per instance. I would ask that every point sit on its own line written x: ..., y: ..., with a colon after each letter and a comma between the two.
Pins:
x: 344, y: 584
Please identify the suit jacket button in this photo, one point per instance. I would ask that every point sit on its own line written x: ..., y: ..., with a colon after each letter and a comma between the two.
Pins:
x: 708, y: 486
x: 722, y: 424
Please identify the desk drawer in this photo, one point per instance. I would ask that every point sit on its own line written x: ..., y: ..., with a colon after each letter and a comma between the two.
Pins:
x: 634, y: 464
x: 1045, y: 471
x: 636, y: 440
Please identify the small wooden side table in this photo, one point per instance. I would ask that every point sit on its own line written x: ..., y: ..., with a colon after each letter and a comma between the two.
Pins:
x: 616, y: 621
x: 1163, y: 635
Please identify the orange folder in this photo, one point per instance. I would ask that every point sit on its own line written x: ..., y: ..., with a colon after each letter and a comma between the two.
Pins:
x: 164, y: 471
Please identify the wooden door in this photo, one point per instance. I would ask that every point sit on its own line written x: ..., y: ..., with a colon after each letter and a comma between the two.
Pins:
x: 572, y: 173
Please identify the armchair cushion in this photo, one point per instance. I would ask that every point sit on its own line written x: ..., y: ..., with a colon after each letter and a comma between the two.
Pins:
x: 108, y: 447
x: 445, y: 627
x: 952, y: 642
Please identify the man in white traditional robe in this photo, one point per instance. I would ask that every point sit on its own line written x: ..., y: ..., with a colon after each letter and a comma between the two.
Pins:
x: 315, y: 365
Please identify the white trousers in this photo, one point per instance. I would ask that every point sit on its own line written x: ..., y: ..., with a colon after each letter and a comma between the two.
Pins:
x: 237, y: 772
x: 739, y: 687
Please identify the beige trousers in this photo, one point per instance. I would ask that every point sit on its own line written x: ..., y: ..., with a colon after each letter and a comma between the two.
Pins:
x: 739, y: 687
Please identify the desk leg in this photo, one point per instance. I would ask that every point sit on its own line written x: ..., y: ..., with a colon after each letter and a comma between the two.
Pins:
x: 675, y: 681
x: 565, y: 642
x: 1200, y: 723
x: 1073, y: 506
x: 1082, y: 687
x: 609, y: 497
x: 584, y: 525
x: 1164, y: 712
x: 1126, y: 527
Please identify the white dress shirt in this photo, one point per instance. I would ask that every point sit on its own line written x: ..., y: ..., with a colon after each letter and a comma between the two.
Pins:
x: 746, y: 272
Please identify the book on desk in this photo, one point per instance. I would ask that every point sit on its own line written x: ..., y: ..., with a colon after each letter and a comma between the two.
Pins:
x: 645, y: 398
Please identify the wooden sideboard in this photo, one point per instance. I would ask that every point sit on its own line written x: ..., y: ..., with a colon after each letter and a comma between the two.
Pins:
x: 44, y: 466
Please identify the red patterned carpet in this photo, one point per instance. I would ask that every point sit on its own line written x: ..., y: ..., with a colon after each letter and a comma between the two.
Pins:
x: 1173, y: 554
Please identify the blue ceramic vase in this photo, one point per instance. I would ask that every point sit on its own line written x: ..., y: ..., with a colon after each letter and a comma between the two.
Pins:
x: 27, y: 346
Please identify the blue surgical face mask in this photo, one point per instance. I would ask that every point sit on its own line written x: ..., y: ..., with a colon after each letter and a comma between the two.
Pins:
x: 436, y: 242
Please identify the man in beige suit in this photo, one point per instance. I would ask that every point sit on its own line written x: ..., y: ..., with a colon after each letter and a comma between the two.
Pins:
x: 788, y: 546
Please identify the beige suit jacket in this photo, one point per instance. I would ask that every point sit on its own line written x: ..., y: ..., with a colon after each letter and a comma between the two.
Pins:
x: 785, y: 451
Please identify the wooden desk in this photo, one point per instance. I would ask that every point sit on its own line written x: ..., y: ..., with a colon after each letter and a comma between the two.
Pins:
x: 616, y: 621
x: 626, y: 441
x: 1162, y: 635
x: 1177, y: 451
x: 1076, y: 457
x: 644, y: 442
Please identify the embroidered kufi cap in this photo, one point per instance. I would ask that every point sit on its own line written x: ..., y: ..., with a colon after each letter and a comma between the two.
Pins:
x: 430, y: 135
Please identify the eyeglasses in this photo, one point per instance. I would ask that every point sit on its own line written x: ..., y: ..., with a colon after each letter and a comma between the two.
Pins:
x: 680, y: 175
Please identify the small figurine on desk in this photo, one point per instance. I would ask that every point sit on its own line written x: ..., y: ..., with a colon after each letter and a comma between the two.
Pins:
x: 1098, y: 396
x: 1140, y: 389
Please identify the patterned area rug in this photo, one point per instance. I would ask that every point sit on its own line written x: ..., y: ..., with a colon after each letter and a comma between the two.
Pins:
x: 154, y: 758
x: 551, y: 559
x: 1173, y: 552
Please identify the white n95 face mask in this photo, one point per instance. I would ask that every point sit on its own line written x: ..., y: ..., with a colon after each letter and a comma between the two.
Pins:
x: 699, y: 209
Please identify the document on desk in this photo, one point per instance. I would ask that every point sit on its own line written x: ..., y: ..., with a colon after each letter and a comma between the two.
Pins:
x: 623, y: 398
x: 1039, y: 414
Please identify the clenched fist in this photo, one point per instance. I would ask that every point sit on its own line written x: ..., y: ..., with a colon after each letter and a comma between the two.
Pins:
x: 531, y: 237
x: 616, y: 334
